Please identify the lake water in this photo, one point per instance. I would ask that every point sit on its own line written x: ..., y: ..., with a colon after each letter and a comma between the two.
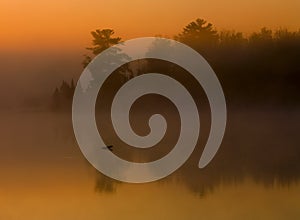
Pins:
x: 255, y: 174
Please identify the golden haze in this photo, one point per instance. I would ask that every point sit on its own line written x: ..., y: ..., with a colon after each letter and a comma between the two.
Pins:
x: 66, y: 24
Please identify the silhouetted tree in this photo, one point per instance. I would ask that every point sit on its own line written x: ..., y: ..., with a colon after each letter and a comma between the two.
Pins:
x: 199, y: 35
x: 102, y: 39
x: 263, y: 37
x: 62, y: 97
x: 232, y: 39
x: 56, y: 99
x: 262, y: 68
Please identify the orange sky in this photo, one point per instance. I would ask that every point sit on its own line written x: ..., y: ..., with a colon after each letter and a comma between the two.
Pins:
x: 51, y: 23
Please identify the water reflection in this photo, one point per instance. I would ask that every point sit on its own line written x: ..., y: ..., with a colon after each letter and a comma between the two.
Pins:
x: 261, y: 145
x: 105, y: 184
x: 259, y: 160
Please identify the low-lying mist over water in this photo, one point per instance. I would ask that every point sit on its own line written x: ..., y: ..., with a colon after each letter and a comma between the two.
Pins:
x: 258, y: 162
x: 261, y: 67
x: 29, y: 77
x: 254, y: 175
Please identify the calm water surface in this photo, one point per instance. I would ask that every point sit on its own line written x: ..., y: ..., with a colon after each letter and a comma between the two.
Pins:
x: 255, y: 175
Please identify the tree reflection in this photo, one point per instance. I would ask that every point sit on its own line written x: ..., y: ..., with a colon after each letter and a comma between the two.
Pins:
x: 105, y: 184
x: 260, y: 78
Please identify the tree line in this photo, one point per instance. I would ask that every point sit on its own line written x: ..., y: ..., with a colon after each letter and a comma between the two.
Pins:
x: 261, y: 68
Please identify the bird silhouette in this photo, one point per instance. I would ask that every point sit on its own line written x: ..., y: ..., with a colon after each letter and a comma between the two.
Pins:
x: 109, y: 147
